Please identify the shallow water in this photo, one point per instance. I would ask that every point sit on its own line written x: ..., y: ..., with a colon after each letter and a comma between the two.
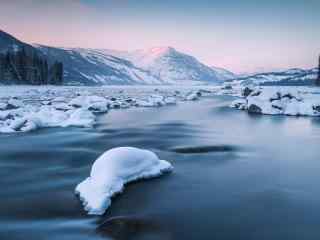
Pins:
x: 236, y: 176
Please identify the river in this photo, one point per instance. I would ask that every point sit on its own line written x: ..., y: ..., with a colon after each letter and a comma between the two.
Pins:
x: 236, y: 176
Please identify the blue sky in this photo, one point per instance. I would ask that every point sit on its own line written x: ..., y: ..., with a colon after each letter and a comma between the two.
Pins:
x: 241, y: 35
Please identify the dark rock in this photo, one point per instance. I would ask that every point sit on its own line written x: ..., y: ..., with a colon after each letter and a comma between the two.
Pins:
x: 316, y: 108
x: 240, y: 106
x: 116, y: 106
x: 288, y: 95
x: 246, y: 91
x: 254, y: 109
x: 227, y: 87
x: 255, y: 93
x: 277, y: 107
x: 132, y: 227
x: 278, y: 97
x: 75, y: 105
x: 11, y: 106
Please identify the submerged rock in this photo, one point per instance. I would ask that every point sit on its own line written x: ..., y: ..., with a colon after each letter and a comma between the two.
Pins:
x: 132, y: 227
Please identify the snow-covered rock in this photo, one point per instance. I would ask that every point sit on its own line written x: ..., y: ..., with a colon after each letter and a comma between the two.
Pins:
x: 112, y: 170
x: 63, y: 106
x: 276, y: 101
x: 3, y: 106
x: 93, y: 103
x: 239, y: 104
x: 192, y: 96
x: 170, y: 101
x: 14, y: 103
x: 80, y: 118
x: 37, y: 107
x: 46, y: 116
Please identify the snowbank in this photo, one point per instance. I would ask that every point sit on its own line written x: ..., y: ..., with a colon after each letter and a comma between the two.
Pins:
x: 279, y: 101
x: 112, y: 170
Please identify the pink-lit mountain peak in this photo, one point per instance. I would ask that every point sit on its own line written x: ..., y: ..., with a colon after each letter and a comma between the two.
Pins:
x: 156, y: 52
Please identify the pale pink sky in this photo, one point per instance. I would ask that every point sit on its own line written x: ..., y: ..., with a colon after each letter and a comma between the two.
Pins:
x: 230, y: 39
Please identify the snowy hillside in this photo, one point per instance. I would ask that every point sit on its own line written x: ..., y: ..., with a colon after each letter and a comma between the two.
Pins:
x: 173, y: 67
x: 289, y: 77
x: 163, y: 65
x: 223, y: 73
x: 94, y: 67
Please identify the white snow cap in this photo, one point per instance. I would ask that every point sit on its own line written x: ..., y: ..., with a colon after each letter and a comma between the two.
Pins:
x: 112, y: 170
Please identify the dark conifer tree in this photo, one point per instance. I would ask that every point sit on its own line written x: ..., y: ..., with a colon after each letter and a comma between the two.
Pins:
x: 318, y: 78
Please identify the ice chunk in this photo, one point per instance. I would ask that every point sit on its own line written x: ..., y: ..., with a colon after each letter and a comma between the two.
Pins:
x: 112, y: 170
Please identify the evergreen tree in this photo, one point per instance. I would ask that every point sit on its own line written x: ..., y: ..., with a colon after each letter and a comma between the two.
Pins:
x: 45, y: 72
x: 28, y: 67
x: 318, y: 78
x: 59, y: 73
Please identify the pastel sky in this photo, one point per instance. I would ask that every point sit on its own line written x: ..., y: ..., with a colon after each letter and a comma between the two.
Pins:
x: 240, y: 35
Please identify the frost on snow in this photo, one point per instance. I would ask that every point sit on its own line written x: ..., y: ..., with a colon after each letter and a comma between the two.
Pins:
x: 112, y: 170
x: 279, y: 101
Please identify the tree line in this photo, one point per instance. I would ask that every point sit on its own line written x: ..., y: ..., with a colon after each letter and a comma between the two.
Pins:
x: 318, y: 78
x: 25, y: 66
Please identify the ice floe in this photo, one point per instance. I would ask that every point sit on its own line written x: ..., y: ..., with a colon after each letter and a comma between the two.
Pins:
x: 112, y: 170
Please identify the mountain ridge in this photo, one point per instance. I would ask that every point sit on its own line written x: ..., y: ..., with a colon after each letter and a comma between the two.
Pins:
x: 160, y: 65
x: 292, y: 76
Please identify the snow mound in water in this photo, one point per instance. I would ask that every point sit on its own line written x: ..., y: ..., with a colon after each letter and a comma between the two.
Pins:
x: 112, y: 170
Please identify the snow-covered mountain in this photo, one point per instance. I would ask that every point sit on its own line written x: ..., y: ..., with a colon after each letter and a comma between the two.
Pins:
x: 94, y: 67
x: 161, y: 65
x: 294, y: 77
x: 172, y: 66
x: 224, y: 74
